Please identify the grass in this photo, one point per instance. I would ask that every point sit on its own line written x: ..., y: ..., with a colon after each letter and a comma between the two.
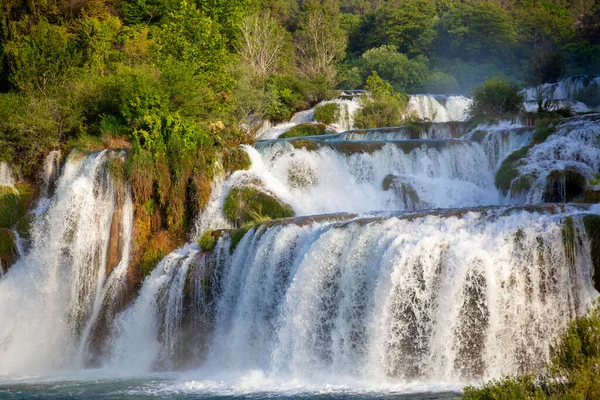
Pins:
x: 207, y: 240
x: 305, y: 129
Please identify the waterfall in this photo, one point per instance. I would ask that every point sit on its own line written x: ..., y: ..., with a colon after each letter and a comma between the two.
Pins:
x: 429, y: 108
x: 569, y: 159
x: 501, y: 139
x: 438, y: 108
x: 327, y: 180
x: 6, y: 175
x: 579, y: 92
x: 51, y: 296
x: 438, y: 296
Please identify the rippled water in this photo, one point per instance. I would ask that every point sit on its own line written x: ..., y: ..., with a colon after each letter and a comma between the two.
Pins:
x: 170, y: 386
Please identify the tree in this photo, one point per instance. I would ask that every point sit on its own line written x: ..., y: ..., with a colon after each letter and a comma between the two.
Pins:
x: 411, y: 27
x: 478, y: 31
x: 261, y: 44
x: 320, y: 41
x: 395, y: 67
x: 44, y: 57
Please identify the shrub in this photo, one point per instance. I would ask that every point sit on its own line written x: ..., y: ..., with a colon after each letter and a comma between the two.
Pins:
x: 305, y: 129
x: 385, y: 106
x: 495, y: 97
x: 327, y: 113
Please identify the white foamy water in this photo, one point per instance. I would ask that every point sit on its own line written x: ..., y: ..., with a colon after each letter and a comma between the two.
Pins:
x: 438, y: 108
x: 49, y: 295
x: 6, y: 175
x: 574, y: 147
x: 395, y: 301
x: 326, y: 181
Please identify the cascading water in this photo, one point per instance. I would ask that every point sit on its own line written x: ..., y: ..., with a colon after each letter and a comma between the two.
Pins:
x: 413, y: 292
x: 433, y: 297
x: 439, y: 108
x: 52, y: 295
x: 6, y: 175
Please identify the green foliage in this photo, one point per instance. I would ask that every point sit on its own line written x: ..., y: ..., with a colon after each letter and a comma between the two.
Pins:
x: 508, y: 170
x: 411, y: 28
x: 305, y: 129
x: 327, y: 113
x: 288, y: 94
x: 518, y: 388
x: 250, y: 204
x: 44, y: 57
x: 385, y: 106
x: 477, y: 31
x: 207, y: 240
x: 395, y: 67
x: 496, y: 97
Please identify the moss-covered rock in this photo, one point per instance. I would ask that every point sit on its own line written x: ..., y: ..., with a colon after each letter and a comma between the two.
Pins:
x: 522, y: 184
x: 478, y: 136
x: 508, y: 170
x: 24, y: 225
x: 250, y: 204
x: 327, y: 113
x: 235, y: 159
x: 159, y: 245
x: 543, y: 130
x: 305, y: 129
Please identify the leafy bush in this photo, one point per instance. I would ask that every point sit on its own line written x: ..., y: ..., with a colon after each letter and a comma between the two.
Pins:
x: 385, y: 106
x: 395, y: 67
x: 494, y: 97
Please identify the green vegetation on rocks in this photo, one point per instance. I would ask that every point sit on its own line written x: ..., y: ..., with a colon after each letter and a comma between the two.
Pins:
x: 208, y: 240
x: 384, y: 107
x: 250, y: 204
x: 508, y: 170
x: 8, y: 248
x: 9, y: 206
x: 327, y: 113
x: 305, y: 129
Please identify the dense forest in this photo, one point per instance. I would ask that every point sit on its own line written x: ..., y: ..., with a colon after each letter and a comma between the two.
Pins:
x: 95, y: 73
